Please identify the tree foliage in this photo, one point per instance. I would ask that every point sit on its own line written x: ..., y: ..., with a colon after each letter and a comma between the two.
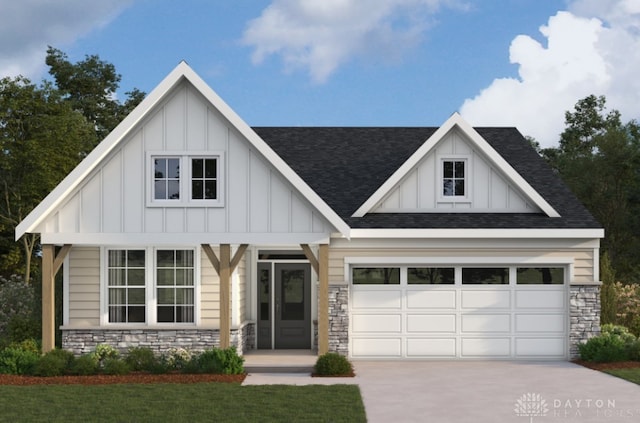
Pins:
x: 45, y: 130
x: 599, y: 157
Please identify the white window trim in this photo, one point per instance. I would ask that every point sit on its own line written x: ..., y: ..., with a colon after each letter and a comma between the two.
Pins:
x: 466, y: 198
x: 150, y: 288
x: 185, y: 182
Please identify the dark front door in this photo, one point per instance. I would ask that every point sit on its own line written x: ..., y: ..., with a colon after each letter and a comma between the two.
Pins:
x: 284, y: 305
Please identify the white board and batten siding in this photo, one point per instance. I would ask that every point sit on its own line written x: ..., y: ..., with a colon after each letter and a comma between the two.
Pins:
x: 489, y: 190
x: 115, y: 198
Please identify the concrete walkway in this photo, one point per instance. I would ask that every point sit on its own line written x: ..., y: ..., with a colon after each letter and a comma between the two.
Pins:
x: 482, y: 391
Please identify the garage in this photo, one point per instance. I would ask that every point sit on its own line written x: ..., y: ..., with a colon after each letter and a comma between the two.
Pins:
x: 458, y: 312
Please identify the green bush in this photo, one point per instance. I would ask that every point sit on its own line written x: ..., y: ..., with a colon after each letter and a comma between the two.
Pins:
x: 177, y: 358
x: 141, y: 359
x: 84, y: 365
x: 331, y: 364
x: 18, y: 319
x: 115, y: 366
x: 54, y: 363
x: 19, y: 358
x: 634, y: 350
x: 217, y: 361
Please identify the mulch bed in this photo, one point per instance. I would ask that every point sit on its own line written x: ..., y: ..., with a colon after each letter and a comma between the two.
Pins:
x: 609, y: 366
x: 124, y: 379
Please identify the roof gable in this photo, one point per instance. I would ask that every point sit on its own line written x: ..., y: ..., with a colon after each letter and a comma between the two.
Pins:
x: 455, y: 122
x: 82, y: 173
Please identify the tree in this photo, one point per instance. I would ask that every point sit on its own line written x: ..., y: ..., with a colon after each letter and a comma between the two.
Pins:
x: 90, y: 86
x: 41, y: 140
x: 598, y: 158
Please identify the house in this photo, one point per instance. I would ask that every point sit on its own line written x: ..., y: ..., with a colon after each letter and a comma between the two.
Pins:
x: 186, y: 227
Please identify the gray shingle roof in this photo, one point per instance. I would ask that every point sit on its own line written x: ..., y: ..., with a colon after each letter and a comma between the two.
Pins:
x: 346, y: 165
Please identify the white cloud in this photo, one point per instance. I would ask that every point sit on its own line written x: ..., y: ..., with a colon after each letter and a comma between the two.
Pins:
x: 321, y: 35
x: 591, y: 49
x: 28, y: 26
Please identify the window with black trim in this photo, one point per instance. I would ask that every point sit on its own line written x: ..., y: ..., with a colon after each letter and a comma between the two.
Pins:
x: 453, y: 178
x: 186, y: 179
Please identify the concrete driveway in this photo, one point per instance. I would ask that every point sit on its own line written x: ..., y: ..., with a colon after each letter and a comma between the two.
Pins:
x: 493, y: 391
x: 482, y: 391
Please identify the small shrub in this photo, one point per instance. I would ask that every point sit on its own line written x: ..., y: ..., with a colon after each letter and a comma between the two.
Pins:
x: 115, y: 366
x: 104, y: 351
x: 84, y: 365
x: 177, y: 358
x: 54, y: 363
x: 218, y: 361
x: 331, y: 364
x: 141, y: 359
x: 618, y: 330
x: 19, y: 358
x: 633, y: 350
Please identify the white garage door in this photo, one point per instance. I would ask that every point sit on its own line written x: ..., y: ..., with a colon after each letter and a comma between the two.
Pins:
x: 458, y: 312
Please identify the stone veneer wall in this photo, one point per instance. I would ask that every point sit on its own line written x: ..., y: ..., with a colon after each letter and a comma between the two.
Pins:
x: 82, y: 341
x: 339, y: 319
x: 584, y: 303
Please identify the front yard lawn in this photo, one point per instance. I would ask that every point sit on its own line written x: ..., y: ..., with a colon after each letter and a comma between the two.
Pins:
x: 631, y: 374
x: 210, y: 402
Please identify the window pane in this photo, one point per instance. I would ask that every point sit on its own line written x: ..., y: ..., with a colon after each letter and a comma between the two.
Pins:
x: 173, y: 168
x: 117, y: 296
x: 430, y: 275
x: 165, y: 314
x: 210, y: 190
x: 197, y: 190
x: 447, y: 187
x: 135, y: 258
x: 160, y: 168
x: 136, y: 277
x: 376, y: 276
x: 211, y: 169
x: 184, y: 314
x: 117, y: 277
x: 117, y: 258
x: 485, y: 275
x: 173, y: 190
x: 160, y: 190
x: 459, y: 186
x: 540, y: 276
x: 165, y: 258
x: 447, y: 169
x: 184, y: 258
x: 184, y: 296
x: 136, y: 296
x: 197, y: 168
x: 459, y: 169
x: 117, y: 314
x: 136, y: 314
x: 165, y: 277
x: 166, y: 296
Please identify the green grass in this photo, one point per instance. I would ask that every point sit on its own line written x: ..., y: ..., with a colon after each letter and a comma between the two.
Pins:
x: 210, y: 402
x: 632, y: 375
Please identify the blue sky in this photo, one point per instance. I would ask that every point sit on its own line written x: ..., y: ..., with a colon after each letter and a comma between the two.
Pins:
x: 355, y: 62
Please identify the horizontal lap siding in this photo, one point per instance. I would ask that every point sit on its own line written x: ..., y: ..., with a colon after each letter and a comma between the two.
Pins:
x: 84, y: 286
x: 209, y: 292
x: 583, y: 258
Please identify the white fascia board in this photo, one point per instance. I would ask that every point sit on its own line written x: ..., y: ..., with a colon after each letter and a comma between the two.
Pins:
x: 477, y: 233
x: 455, y: 121
x: 164, y: 239
x: 93, y: 159
x: 68, y: 184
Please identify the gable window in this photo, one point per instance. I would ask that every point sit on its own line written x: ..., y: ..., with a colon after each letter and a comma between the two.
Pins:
x: 126, y: 286
x: 186, y: 179
x: 453, y: 178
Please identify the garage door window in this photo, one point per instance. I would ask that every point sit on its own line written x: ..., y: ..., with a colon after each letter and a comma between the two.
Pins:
x: 540, y: 276
x: 376, y: 276
x: 431, y: 276
x: 485, y: 276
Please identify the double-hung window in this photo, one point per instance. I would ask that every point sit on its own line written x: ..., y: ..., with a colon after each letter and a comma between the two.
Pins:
x: 175, y: 286
x: 186, y: 179
x: 126, y: 282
